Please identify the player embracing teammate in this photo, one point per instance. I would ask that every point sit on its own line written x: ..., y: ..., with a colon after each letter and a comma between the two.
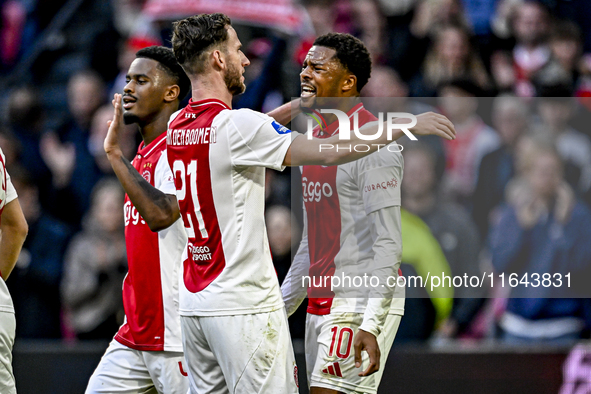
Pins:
x: 351, y: 231
x: 235, y: 333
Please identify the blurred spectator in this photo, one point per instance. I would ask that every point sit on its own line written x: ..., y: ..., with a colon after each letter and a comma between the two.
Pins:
x: 422, y: 255
x: 34, y: 283
x: 543, y: 229
x: 283, y: 232
x: 66, y: 152
x: 432, y: 15
x: 510, y: 117
x: 95, y: 266
x: 385, y: 82
x: 371, y: 24
x: 451, y: 225
x: 530, y: 24
x: 556, y: 109
x: 26, y: 119
x: 450, y: 57
x: 474, y: 139
x: 566, y: 49
x: 264, y: 75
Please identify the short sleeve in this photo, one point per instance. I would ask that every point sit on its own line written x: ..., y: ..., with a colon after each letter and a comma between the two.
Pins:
x: 380, y: 176
x: 10, y: 190
x: 257, y: 140
x: 163, y: 178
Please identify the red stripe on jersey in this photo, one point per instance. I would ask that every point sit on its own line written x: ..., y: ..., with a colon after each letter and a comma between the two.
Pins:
x: 331, y: 370
x: 324, y: 220
x: 189, y: 138
x: 142, y: 287
x: 337, y: 368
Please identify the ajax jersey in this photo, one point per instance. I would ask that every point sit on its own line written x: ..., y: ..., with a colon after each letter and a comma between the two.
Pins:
x: 7, y: 194
x: 150, y: 289
x: 338, y: 201
x: 218, y: 158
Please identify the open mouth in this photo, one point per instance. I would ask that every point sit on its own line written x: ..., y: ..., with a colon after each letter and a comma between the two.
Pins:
x: 308, y: 91
x: 128, y: 101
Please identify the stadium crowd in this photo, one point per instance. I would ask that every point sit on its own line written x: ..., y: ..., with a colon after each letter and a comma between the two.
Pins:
x: 511, y: 193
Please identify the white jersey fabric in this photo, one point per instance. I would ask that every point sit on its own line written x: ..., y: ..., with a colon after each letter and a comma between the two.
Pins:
x: 7, y: 319
x: 346, y: 207
x: 151, y: 287
x: 7, y: 194
x: 218, y: 158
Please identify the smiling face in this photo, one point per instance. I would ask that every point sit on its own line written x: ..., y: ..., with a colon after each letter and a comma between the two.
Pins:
x: 322, y: 75
x: 237, y: 61
x: 144, y: 94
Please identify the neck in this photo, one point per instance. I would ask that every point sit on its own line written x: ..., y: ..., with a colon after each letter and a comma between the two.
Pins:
x: 345, y: 105
x: 210, y: 85
x: 158, y: 125
x: 419, y: 204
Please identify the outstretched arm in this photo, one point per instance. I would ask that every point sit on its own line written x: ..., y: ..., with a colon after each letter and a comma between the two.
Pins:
x: 334, y: 151
x: 158, y: 209
x: 13, y: 231
x: 284, y: 113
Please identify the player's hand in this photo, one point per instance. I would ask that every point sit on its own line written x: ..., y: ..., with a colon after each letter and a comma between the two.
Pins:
x: 111, y: 143
x: 430, y: 123
x: 368, y: 342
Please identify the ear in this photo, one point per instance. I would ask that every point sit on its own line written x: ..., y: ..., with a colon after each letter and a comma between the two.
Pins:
x: 218, y: 60
x: 349, y: 83
x: 172, y: 93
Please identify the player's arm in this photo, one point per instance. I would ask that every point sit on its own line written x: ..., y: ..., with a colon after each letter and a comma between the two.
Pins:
x: 334, y: 151
x: 292, y: 288
x: 387, y: 250
x: 284, y: 113
x: 158, y: 209
x: 13, y: 231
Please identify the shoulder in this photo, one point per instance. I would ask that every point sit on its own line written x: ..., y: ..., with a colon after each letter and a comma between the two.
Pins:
x: 380, y: 159
x: 174, y: 115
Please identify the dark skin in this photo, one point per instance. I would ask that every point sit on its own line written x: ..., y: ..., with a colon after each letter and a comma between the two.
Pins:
x: 150, y: 97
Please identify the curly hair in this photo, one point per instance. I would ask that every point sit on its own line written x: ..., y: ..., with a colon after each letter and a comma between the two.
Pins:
x: 352, y: 54
x: 167, y: 63
x: 193, y: 36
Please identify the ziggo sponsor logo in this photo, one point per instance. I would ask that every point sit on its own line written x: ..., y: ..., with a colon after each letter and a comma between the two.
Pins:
x: 313, y: 191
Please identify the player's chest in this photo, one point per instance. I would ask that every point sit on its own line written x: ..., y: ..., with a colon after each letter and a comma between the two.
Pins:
x: 326, y: 185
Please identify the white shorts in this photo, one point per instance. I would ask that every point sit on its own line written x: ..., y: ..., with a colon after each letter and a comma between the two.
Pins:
x: 7, y: 332
x: 240, y: 354
x: 330, y: 357
x: 126, y: 370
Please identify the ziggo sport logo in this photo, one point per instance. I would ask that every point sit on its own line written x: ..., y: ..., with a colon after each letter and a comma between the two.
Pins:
x: 345, y: 128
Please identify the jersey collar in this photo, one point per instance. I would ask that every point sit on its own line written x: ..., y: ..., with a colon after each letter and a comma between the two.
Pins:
x: 145, y: 151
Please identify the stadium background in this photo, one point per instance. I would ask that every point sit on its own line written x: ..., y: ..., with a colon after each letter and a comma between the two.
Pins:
x: 61, y: 61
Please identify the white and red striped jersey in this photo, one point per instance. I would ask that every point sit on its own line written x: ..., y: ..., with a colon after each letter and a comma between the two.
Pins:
x: 218, y: 157
x: 150, y: 289
x: 337, y: 241
x: 7, y: 194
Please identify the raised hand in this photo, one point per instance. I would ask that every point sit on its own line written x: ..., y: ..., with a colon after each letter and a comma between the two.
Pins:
x: 111, y: 143
x: 431, y: 123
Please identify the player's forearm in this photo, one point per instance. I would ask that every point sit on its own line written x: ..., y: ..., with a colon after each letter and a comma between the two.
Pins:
x: 13, y: 230
x: 284, y: 113
x: 159, y: 210
x: 293, y: 289
x: 335, y: 150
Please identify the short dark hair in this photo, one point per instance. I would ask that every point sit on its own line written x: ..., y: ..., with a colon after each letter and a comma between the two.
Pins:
x: 193, y: 36
x: 352, y: 54
x: 167, y: 63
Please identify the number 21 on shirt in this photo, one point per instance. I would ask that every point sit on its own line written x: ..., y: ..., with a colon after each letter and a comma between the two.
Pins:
x: 190, y: 172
